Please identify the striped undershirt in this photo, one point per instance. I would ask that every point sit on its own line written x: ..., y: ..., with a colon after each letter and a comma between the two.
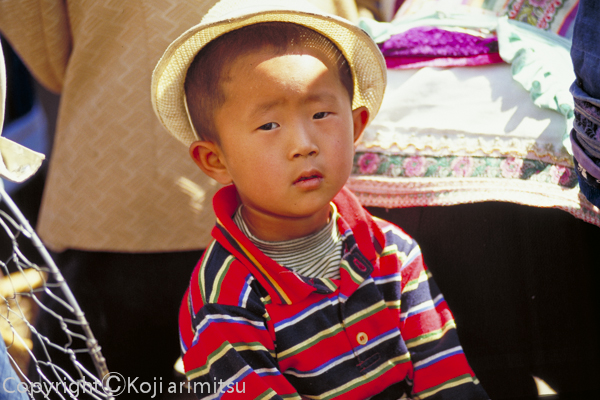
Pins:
x: 315, y: 256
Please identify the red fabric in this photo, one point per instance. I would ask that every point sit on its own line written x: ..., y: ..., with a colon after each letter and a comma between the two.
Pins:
x: 416, y: 62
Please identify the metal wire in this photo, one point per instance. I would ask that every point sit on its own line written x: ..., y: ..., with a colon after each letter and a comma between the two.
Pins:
x: 23, y: 287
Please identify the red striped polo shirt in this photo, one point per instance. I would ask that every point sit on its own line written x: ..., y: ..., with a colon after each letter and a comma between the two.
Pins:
x: 253, y: 329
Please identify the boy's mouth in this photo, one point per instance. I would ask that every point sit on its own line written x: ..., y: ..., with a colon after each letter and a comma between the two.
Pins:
x: 309, y: 178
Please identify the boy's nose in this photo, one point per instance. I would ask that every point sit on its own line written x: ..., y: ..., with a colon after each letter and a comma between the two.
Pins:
x: 303, y: 144
x: 306, y: 152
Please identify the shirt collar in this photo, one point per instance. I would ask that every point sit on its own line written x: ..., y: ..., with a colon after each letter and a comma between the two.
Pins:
x: 285, y: 286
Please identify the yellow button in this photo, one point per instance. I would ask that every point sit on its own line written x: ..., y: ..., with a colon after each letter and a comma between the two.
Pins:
x: 362, y: 338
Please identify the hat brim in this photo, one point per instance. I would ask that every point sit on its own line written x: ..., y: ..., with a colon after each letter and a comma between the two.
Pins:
x: 361, y: 52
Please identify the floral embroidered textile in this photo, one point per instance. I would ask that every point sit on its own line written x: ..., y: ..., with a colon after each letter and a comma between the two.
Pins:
x: 544, y: 14
x: 392, y: 180
x: 398, y: 166
x: 557, y: 16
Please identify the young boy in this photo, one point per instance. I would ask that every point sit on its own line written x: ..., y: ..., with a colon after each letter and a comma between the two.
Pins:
x: 302, y: 294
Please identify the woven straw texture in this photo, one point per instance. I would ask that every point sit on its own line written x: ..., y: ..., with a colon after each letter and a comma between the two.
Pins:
x: 362, y: 53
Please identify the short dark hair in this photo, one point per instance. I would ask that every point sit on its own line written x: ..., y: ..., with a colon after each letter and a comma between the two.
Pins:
x: 203, y: 89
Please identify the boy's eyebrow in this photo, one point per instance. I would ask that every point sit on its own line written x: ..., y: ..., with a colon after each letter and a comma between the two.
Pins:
x: 263, y: 108
x: 322, y: 96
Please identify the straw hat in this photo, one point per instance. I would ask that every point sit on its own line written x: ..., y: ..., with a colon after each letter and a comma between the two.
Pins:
x: 363, y: 55
x: 17, y: 163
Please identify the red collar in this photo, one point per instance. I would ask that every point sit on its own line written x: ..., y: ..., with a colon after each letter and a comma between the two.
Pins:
x: 285, y: 286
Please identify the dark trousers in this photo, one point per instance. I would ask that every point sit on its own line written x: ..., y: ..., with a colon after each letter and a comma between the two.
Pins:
x: 585, y: 54
x: 522, y: 283
x: 131, y: 302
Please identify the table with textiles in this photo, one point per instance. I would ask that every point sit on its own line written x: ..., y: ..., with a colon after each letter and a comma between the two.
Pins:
x: 470, y: 155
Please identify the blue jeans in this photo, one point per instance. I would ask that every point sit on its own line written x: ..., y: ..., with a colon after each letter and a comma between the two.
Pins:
x: 585, y: 136
x: 9, y: 379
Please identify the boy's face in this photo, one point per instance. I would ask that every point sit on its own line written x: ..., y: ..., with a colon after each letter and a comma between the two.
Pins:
x: 287, y: 134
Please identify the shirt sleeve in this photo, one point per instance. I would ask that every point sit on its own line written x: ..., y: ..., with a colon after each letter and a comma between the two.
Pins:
x: 228, y: 351
x: 441, y: 370
x: 39, y: 32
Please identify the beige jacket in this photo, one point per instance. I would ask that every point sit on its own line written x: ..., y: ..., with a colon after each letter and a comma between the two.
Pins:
x: 117, y: 181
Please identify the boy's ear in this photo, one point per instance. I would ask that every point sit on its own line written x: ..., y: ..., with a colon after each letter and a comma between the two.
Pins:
x: 360, y: 117
x: 209, y: 157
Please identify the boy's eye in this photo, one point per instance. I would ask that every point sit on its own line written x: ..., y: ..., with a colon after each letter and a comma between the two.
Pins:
x: 269, y: 126
x: 320, y: 115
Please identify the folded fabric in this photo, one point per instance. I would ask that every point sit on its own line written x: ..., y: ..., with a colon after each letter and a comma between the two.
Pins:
x: 540, y: 60
x: 585, y: 138
x: 541, y: 64
x: 550, y: 15
x: 436, y: 42
x: 449, y: 18
x: 475, y: 111
x: 441, y: 62
x: 431, y: 46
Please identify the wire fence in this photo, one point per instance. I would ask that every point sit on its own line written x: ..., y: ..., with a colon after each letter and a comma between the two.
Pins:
x: 31, y: 284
